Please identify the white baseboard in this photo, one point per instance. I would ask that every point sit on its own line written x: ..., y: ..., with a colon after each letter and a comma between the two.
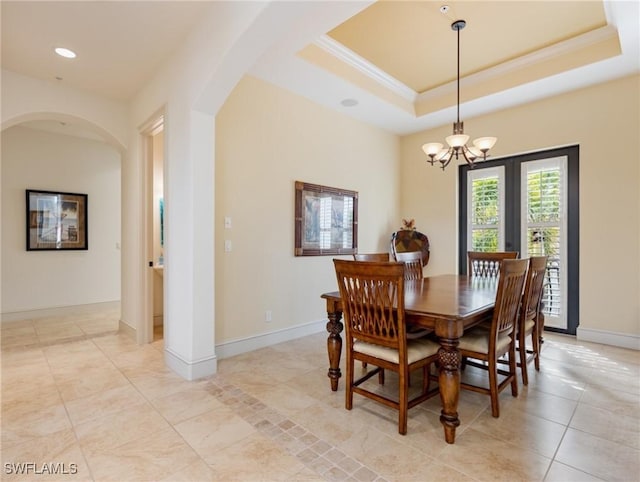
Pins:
x: 60, y: 311
x: 623, y: 340
x: 209, y: 366
x: 127, y: 329
x: 191, y: 370
x: 237, y: 347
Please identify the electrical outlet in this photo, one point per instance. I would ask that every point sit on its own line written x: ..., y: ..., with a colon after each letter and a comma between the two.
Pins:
x: 227, y: 245
x: 267, y: 316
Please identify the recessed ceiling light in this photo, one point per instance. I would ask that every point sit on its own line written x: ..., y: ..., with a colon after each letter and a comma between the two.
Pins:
x: 62, y: 52
x: 349, y: 102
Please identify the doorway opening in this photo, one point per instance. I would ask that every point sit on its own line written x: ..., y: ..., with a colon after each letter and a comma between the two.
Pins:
x: 152, y: 328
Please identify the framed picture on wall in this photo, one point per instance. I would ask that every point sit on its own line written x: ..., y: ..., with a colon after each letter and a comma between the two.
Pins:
x: 56, y: 221
x: 326, y: 220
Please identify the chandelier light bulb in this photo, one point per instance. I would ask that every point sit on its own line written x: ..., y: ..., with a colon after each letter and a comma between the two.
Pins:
x: 457, y: 140
x: 484, y: 143
x: 432, y: 148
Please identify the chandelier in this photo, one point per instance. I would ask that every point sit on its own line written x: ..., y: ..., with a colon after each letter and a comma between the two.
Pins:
x: 458, y: 141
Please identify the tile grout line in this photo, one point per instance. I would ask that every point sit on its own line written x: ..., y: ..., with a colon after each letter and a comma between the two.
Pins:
x: 268, y: 431
x: 275, y: 425
x: 278, y: 427
x: 66, y: 410
x: 152, y: 406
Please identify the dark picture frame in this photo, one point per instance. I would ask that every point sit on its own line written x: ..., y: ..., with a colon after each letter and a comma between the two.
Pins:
x: 326, y: 220
x: 56, y: 221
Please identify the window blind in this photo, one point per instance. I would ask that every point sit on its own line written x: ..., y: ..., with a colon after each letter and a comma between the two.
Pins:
x: 486, y: 210
x: 544, y: 220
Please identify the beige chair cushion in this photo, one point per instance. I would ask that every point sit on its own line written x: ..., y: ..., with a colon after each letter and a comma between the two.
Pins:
x: 416, y: 350
x: 477, y: 339
x: 528, y: 325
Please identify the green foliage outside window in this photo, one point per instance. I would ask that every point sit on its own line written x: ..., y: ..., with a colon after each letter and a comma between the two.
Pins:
x: 543, y: 207
x: 485, y: 212
x: 544, y: 196
x: 485, y: 240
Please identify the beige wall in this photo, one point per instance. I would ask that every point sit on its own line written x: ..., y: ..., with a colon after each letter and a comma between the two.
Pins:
x: 266, y: 139
x: 605, y: 121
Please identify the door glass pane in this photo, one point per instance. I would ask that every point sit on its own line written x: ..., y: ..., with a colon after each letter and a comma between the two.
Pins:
x: 544, y: 230
x: 485, y: 226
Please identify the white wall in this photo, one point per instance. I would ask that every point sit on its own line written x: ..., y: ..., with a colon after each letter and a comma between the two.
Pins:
x: 266, y: 139
x: 605, y: 121
x: 33, y: 159
x: 25, y: 98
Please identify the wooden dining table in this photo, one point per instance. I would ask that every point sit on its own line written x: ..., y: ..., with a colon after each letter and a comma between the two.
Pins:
x: 447, y: 304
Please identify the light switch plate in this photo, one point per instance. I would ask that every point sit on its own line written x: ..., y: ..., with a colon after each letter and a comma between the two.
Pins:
x: 227, y: 222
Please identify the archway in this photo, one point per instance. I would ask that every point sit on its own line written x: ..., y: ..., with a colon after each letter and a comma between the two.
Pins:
x: 62, y: 153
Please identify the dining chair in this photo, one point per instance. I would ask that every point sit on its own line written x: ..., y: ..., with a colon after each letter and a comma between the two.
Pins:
x: 412, y: 264
x: 487, y: 264
x: 372, y: 295
x: 413, y: 271
x: 371, y: 257
x: 529, y: 316
x: 489, y: 345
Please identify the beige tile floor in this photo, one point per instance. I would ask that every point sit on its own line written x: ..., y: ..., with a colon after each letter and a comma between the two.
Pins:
x: 78, y: 394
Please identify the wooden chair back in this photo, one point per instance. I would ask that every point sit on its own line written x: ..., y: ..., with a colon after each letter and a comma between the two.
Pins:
x: 372, y: 295
x: 372, y: 257
x: 412, y: 264
x: 533, y: 288
x: 487, y: 264
x: 508, y: 298
x: 501, y: 337
x: 530, y: 320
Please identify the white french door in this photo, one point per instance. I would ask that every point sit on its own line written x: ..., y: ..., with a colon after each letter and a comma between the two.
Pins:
x: 543, y: 229
x: 528, y: 204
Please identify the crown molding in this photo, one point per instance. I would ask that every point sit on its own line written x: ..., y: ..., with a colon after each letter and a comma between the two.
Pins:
x: 561, y: 48
x: 359, y: 63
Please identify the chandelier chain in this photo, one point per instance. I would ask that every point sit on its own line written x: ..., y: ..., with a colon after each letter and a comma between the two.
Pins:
x: 457, y: 143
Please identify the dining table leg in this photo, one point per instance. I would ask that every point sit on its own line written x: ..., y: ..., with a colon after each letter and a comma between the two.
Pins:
x: 334, y: 346
x: 449, y: 381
